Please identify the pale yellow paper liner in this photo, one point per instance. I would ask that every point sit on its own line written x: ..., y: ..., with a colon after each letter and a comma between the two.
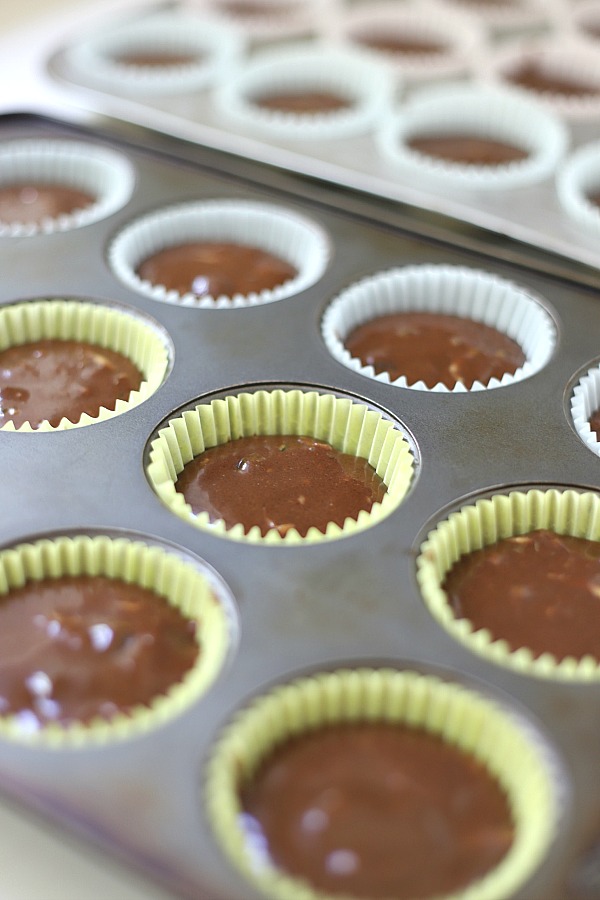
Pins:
x: 485, y: 522
x: 182, y: 584
x: 93, y: 323
x: 348, y: 426
x: 458, y: 715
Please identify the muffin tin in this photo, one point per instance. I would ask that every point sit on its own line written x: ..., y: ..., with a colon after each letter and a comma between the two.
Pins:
x: 351, y: 602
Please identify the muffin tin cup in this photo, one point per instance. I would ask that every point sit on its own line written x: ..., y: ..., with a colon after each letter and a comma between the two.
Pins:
x: 348, y: 426
x: 489, y: 112
x: 457, y: 34
x: 112, y: 327
x: 183, y: 584
x: 483, y: 523
x: 460, y: 717
x: 277, y: 20
x: 585, y: 400
x: 278, y: 230
x: 98, y: 171
x: 576, y: 178
x: 564, y: 58
x: 449, y: 290
x: 368, y: 86
x: 213, y: 48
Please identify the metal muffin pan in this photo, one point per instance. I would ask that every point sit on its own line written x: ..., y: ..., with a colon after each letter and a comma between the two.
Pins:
x: 351, y: 601
x: 38, y: 63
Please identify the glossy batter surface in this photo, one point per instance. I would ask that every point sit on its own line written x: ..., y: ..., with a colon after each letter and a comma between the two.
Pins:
x: 31, y: 203
x: 51, y: 379
x: 434, y: 348
x: 216, y: 269
x: 77, y: 647
x: 279, y: 481
x: 467, y: 149
x: 534, y: 76
x: 376, y: 810
x: 305, y: 102
x: 539, y: 590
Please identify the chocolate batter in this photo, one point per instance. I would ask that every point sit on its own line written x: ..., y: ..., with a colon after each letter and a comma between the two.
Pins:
x: 595, y: 199
x: 149, y: 59
x: 279, y: 481
x: 536, y: 77
x: 539, y: 590
x: 215, y: 269
x: 77, y: 647
x: 375, y: 810
x: 399, y: 45
x: 254, y: 10
x: 434, y: 348
x: 30, y: 203
x: 302, y: 102
x: 467, y: 149
x: 594, y: 421
x: 51, y: 379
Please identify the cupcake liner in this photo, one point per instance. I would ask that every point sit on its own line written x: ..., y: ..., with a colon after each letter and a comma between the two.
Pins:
x: 327, y: 68
x: 485, y: 111
x: 459, y: 716
x: 283, y: 232
x: 451, y: 290
x: 506, y: 18
x: 213, y: 47
x: 584, y: 19
x: 585, y: 400
x: 184, y: 584
x: 485, y: 522
x: 267, y: 20
x: 136, y: 337
x: 349, y: 427
x: 458, y: 35
x: 98, y: 171
x: 578, y: 176
x: 564, y: 57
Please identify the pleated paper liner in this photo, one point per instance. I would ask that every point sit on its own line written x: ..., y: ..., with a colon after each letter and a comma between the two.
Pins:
x: 584, y: 402
x: 168, y: 52
x: 577, y: 181
x: 490, y: 112
x: 366, y: 87
x: 103, y: 174
x: 448, y: 290
x: 286, y: 234
x: 134, y: 336
x: 349, y: 427
x: 566, y: 512
x: 183, y: 584
x: 462, y: 718
x: 261, y: 21
x: 508, y: 18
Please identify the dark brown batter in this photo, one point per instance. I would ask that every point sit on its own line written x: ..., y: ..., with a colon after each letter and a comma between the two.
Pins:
x: 434, y: 348
x: 376, y: 810
x: 254, y: 10
x: 535, y: 77
x: 595, y: 199
x: 148, y: 59
x: 215, y: 269
x: 398, y: 45
x: 77, y: 647
x: 52, y: 379
x: 539, y: 590
x: 467, y: 149
x: 30, y: 203
x: 279, y: 481
x: 302, y: 102
x: 594, y: 422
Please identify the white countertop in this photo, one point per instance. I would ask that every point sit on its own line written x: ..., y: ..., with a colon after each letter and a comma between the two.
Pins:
x: 38, y: 862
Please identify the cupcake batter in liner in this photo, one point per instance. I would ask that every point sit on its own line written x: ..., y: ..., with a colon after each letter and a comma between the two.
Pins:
x: 577, y: 181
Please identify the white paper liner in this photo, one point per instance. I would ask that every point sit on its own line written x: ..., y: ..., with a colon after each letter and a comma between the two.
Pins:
x: 91, y: 168
x: 280, y: 231
x: 505, y: 17
x: 426, y: 20
x: 286, y: 19
x: 583, y: 16
x: 576, y: 178
x: 450, y: 290
x: 585, y: 400
x: 217, y: 46
x: 487, y: 111
x: 353, y: 75
x: 563, y: 56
